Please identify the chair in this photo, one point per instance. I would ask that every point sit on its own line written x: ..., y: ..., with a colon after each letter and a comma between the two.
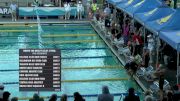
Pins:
x: 155, y: 85
x: 119, y: 43
x: 149, y: 69
x: 140, y: 72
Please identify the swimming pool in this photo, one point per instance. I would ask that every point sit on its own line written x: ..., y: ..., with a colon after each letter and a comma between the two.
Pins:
x: 86, y: 60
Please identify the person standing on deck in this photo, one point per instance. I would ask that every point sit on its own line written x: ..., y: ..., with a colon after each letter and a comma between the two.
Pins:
x: 67, y: 9
x: 94, y: 7
x: 79, y: 10
x: 126, y: 32
x: 13, y: 8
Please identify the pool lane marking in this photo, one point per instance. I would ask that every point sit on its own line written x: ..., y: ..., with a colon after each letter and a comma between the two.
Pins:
x: 62, y: 49
x: 93, y: 57
x: 55, y: 42
x: 67, y: 35
x: 95, y: 67
x: 88, y: 57
x: 14, y: 25
x: 74, y: 68
x: 73, y: 41
x: 35, y: 25
x: 18, y: 30
x: 76, y: 81
x: 94, y: 80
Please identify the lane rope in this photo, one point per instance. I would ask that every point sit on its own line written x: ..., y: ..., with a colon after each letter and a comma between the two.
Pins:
x: 18, y: 30
x: 75, y: 68
x: 67, y: 35
x: 55, y: 42
x: 76, y: 81
x: 90, y: 57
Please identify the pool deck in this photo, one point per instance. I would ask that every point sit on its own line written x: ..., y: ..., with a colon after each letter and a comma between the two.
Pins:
x: 34, y: 21
x: 143, y: 84
x: 170, y: 75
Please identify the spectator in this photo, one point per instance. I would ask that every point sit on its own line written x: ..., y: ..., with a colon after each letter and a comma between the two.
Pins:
x: 64, y: 97
x: 67, y: 9
x: 80, y: 9
x: 131, y: 67
x: 78, y: 97
x: 126, y: 32
x: 6, y: 96
x: 170, y: 96
x: 161, y: 86
x: 1, y: 90
x: 13, y: 8
x: 36, y: 98
x: 176, y: 93
x: 107, y: 11
x: 131, y: 96
x: 137, y: 43
x: 114, y: 30
x: 53, y: 97
x: 105, y: 96
x: 146, y: 58
x: 14, y: 99
x: 94, y: 7
x: 148, y: 96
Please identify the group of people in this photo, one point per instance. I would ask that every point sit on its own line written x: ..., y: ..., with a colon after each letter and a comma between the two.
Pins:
x: 105, y: 96
x: 87, y: 9
x: 67, y: 8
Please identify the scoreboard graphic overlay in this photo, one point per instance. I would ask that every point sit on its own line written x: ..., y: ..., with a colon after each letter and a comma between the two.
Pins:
x: 39, y: 70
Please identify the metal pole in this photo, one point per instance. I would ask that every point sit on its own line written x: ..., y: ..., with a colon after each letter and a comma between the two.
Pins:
x: 177, y: 76
x: 157, y: 50
x: 144, y: 30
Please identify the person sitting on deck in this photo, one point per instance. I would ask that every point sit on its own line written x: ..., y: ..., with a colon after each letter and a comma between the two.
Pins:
x: 131, y: 96
x: 131, y: 66
x: 105, y: 96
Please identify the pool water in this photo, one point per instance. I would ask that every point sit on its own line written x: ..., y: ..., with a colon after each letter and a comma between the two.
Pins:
x: 81, y: 47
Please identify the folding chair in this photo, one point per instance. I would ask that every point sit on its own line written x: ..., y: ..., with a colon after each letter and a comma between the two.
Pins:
x: 140, y: 72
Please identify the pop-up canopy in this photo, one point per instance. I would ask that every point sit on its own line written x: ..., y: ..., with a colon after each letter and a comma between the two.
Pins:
x: 153, y: 14
x: 115, y: 2
x: 126, y: 4
x: 142, y: 6
x: 171, y: 20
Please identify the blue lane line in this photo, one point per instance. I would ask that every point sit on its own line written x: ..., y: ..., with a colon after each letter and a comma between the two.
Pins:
x: 86, y: 57
x: 9, y: 70
x: 82, y: 48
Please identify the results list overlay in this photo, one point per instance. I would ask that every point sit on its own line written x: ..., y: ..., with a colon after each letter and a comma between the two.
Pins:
x: 39, y: 70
